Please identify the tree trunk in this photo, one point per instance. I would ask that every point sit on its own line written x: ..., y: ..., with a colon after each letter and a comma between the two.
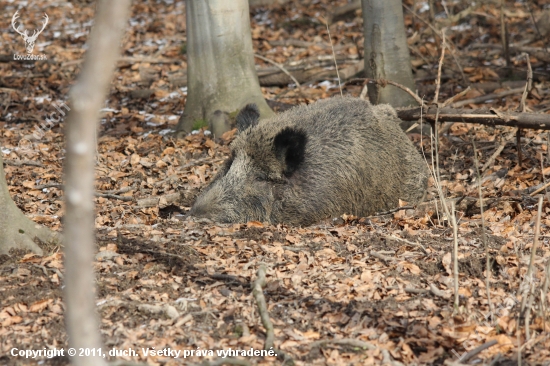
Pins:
x: 16, y: 230
x: 220, y: 65
x: 386, y: 51
x: 86, y: 98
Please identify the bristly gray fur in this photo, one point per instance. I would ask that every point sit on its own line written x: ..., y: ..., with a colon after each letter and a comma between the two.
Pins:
x: 336, y: 156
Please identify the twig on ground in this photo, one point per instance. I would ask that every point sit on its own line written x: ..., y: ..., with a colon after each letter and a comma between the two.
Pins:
x: 408, y: 242
x: 497, y: 152
x: 163, y: 201
x: 437, y: 292
x: 106, y: 194
x: 344, y: 342
x: 124, y: 227
x: 381, y: 256
x: 483, y: 98
x: 114, y: 196
x: 455, y: 97
x: 294, y: 249
x: 544, y: 186
x: 49, y: 185
x: 118, y: 191
x: 23, y: 162
x: 197, y: 162
x: 465, y: 358
x: 257, y: 292
x: 280, y: 67
x: 170, y: 179
x: 225, y: 277
x: 133, y: 60
x: 388, y: 360
x: 409, y: 290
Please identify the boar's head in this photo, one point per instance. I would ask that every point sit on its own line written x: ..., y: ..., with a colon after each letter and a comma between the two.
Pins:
x: 252, y: 183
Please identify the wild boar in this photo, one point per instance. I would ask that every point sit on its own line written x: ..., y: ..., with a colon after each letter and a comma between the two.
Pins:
x: 336, y: 156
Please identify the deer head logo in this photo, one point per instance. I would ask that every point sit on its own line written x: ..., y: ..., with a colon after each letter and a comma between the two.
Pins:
x: 29, y: 40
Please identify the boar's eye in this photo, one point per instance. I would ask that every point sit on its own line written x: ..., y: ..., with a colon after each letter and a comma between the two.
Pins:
x: 262, y: 178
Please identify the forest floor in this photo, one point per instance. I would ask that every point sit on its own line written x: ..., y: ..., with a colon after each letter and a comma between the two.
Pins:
x: 347, y: 291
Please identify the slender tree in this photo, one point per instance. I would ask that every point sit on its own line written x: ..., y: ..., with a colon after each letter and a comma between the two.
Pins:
x: 86, y: 98
x: 221, y: 77
x: 386, y: 51
x: 16, y: 230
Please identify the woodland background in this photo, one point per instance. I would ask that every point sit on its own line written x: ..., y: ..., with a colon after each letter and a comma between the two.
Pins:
x: 351, y: 290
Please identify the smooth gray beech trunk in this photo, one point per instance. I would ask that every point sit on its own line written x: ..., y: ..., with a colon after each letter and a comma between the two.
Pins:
x: 86, y: 99
x: 221, y: 78
x: 17, y: 230
x: 386, y: 51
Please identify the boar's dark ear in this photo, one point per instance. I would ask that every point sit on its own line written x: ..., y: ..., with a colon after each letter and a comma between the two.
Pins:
x: 290, y: 147
x: 247, y: 117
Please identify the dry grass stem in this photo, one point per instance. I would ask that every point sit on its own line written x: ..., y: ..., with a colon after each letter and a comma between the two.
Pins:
x: 335, y: 62
x: 438, y: 80
x: 484, y: 236
x: 455, y: 253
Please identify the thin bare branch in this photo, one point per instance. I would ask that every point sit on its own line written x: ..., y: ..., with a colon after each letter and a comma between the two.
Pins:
x: 278, y: 66
x: 257, y: 292
x: 441, y: 58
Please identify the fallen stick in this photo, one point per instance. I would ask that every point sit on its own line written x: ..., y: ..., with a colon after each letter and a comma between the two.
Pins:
x: 23, y: 162
x: 486, y: 97
x: 465, y: 358
x: 540, y: 53
x: 257, y: 292
x: 482, y: 116
x: 344, y: 342
x: 391, y: 237
x: 437, y: 292
x: 381, y: 257
x: 114, y: 196
x: 497, y: 152
x: 279, y: 66
x: 161, y: 201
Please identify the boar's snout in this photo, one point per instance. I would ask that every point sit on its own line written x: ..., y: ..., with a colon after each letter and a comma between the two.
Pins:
x: 207, y: 207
